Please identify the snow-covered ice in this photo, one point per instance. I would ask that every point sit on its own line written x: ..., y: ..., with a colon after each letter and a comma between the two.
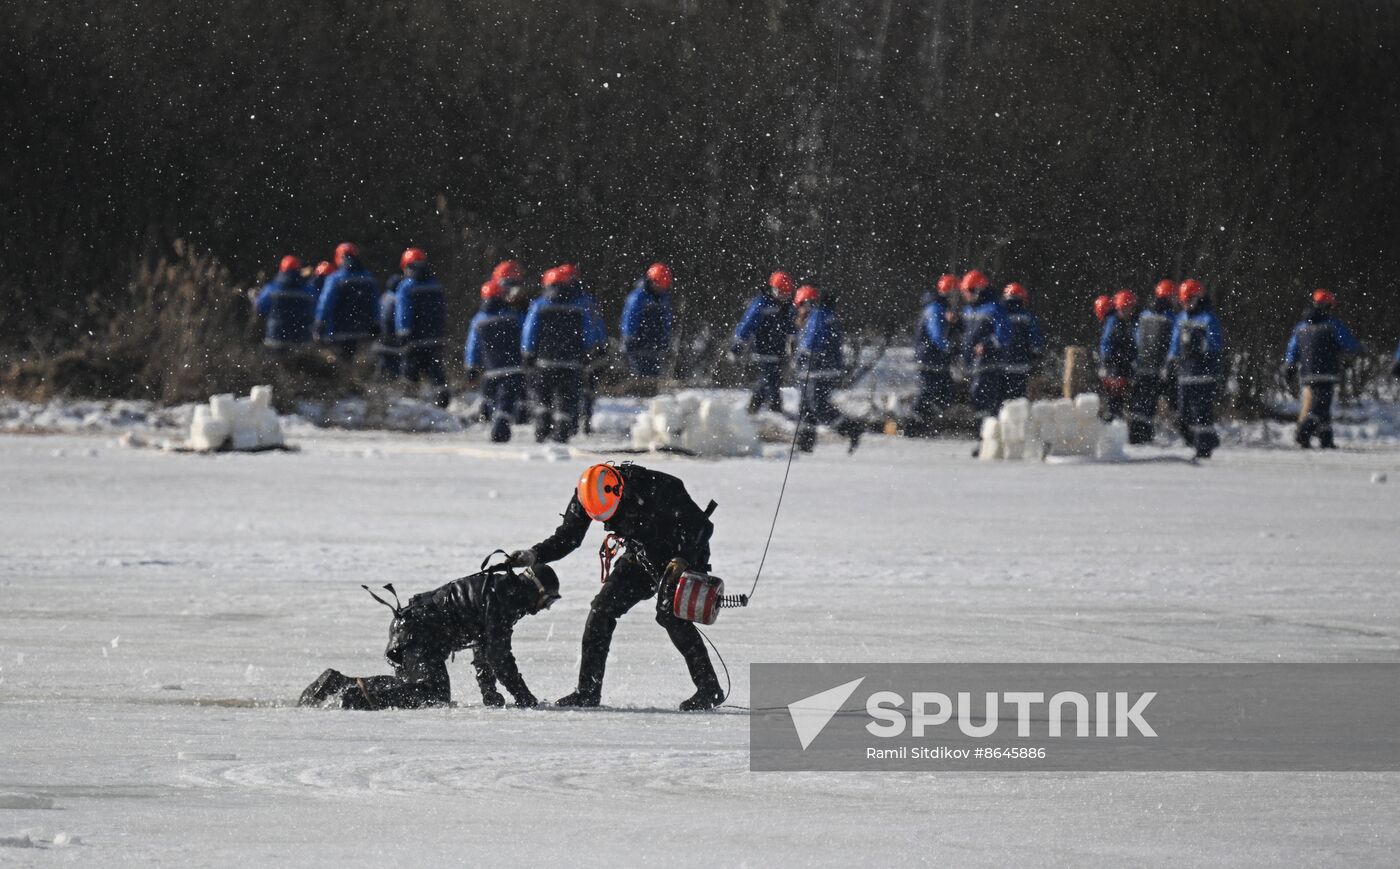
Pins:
x: 232, y: 580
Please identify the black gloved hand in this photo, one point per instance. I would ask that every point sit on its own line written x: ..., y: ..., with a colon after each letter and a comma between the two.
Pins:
x: 1290, y: 372
x: 1395, y: 369
x: 521, y: 558
x: 527, y: 361
x: 493, y: 698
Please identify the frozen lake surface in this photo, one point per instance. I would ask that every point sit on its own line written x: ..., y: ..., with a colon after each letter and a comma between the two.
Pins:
x: 161, y: 612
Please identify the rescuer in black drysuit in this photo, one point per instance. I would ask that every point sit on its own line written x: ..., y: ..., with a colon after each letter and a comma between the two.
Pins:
x: 476, y: 612
x: 662, y: 533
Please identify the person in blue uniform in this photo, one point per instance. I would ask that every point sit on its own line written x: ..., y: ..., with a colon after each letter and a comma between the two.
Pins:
x: 1317, y: 351
x: 762, y: 337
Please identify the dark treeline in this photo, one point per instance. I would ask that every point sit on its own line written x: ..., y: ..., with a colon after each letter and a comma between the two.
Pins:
x: 866, y: 146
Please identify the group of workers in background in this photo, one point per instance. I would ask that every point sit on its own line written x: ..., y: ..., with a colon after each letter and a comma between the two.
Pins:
x: 542, y: 355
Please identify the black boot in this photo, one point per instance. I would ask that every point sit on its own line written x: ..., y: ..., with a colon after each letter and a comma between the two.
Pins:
x: 500, y: 430
x: 685, y: 636
x: 543, y: 423
x: 806, y: 437
x: 578, y: 699
x: 1325, y: 440
x: 851, y: 430
x: 327, y: 685
x: 704, y: 698
x: 1303, y: 436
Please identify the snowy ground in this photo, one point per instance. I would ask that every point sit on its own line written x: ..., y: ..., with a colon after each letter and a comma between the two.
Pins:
x: 161, y: 610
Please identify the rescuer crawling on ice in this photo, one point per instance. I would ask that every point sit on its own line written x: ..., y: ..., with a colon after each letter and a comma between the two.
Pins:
x: 660, y: 533
x: 477, y: 612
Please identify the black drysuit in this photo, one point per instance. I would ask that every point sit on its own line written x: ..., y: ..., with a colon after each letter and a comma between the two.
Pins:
x: 477, y: 612
x: 658, y: 521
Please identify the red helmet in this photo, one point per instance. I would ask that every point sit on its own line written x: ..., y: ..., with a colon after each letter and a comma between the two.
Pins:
x: 1015, y: 291
x: 1124, y: 299
x: 973, y: 281
x: 806, y: 293
x: 946, y: 284
x: 1190, y: 290
x: 323, y: 268
x: 289, y: 264
x: 568, y: 272
x: 508, y: 270
x: 414, y: 256
x: 782, y: 284
x: 659, y: 275
x: 550, y: 278
x: 492, y: 289
x: 343, y: 250
x: 1165, y: 289
x: 1322, y: 297
x: 1103, y: 306
x: 600, y: 491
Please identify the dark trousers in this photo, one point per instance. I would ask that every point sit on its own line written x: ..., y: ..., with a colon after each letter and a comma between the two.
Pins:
x: 390, y: 363
x: 935, y: 393
x: 815, y: 408
x: 557, y: 403
x: 767, y: 386
x: 425, y: 361
x: 628, y: 585
x: 1142, y: 407
x: 985, y: 390
x: 499, y: 396
x: 1198, y: 416
x: 1316, y: 421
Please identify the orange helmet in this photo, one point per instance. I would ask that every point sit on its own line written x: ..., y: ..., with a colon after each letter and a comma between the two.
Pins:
x: 973, y: 281
x: 1103, y: 306
x: 568, y: 272
x: 550, y: 278
x: 1165, y: 289
x: 782, y: 284
x: 1124, y: 299
x: 492, y: 289
x: 659, y: 275
x: 412, y: 257
x: 508, y: 270
x: 344, y: 250
x: 1190, y: 290
x: 806, y: 293
x: 600, y: 491
x: 1015, y: 291
x: 289, y: 264
x: 946, y: 284
x: 323, y: 268
x: 1324, y: 297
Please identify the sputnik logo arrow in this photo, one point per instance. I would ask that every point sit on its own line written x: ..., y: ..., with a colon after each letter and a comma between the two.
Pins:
x: 811, y: 715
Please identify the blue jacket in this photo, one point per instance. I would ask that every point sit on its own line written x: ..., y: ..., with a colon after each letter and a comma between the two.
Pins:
x: 1317, y: 346
x: 1153, y: 340
x: 765, y: 328
x: 931, y: 344
x: 1027, y: 339
x: 420, y: 309
x: 388, y: 303
x: 1198, y: 345
x: 985, y: 323
x: 1118, y: 346
x: 493, y: 339
x: 559, y: 329
x: 820, y: 349
x: 287, y: 305
x: 595, y: 335
x: 349, y: 305
x: 646, y: 321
